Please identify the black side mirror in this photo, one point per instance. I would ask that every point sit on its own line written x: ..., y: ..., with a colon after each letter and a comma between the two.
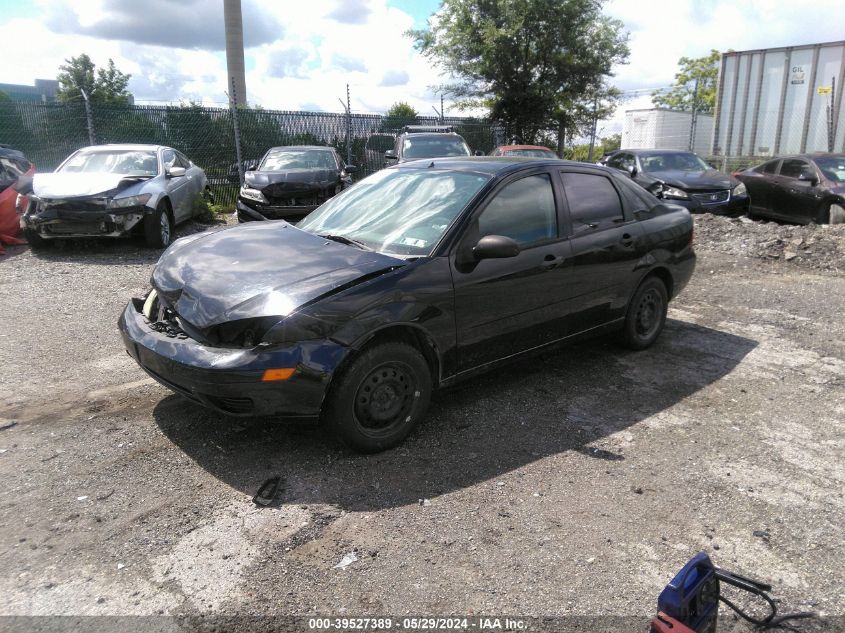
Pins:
x: 495, y: 247
x: 632, y: 170
x: 808, y: 175
x: 478, y: 152
x: 390, y: 155
x: 351, y: 169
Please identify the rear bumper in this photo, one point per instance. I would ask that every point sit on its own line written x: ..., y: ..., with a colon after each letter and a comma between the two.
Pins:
x: 733, y: 206
x: 229, y: 380
x: 247, y: 213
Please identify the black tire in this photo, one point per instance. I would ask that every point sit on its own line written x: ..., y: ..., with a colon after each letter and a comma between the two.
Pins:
x: 376, y: 401
x: 831, y: 213
x: 158, y: 227
x: 646, y: 314
x: 35, y: 241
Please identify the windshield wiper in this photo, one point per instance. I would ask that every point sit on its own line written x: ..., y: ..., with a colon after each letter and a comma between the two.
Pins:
x: 345, y: 240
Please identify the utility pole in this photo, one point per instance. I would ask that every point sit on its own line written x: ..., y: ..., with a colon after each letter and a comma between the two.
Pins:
x: 442, y: 111
x: 831, y: 119
x: 233, y: 108
x: 348, y: 109
x: 89, y: 117
x: 233, y: 21
x: 693, y: 117
x: 595, y: 125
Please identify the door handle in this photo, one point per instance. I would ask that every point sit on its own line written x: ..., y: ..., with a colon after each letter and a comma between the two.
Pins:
x: 551, y: 261
x: 627, y: 239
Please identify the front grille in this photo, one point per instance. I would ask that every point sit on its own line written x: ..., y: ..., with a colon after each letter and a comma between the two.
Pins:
x: 712, y: 197
x: 77, y: 228
x: 96, y: 204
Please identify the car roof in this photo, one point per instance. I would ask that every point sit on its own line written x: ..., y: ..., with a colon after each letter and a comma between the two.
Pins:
x: 512, y: 147
x: 129, y: 147
x: 431, y: 134
x: 655, y: 151
x: 494, y: 165
x: 14, y: 153
x: 324, y: 147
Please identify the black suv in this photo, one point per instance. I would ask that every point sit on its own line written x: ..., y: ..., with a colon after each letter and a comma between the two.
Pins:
x: 423, y: 141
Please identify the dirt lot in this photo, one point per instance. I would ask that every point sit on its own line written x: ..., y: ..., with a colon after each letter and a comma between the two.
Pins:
x: 572, y: 484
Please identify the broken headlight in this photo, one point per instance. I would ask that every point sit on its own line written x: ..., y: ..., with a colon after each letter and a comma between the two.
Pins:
x: 673, y: 193
x: 129, y: 201
x: 252, y: 194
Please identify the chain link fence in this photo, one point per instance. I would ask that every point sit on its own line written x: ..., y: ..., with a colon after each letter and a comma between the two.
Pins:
x: 48, y: 133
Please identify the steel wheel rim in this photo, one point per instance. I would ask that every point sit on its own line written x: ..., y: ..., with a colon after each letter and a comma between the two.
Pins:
x: 385, y: 397
x: 648, y: 313
x: 165, y: 229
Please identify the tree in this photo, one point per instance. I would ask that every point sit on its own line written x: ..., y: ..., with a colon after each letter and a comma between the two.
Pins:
x: 525, y: 61
x: 399, y: 115
x: 102, y: 85
x: 682, y: 95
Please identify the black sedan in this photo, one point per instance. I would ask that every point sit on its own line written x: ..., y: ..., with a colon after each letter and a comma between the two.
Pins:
x: 805, y: 188
x: 684, y: 178
x: 292, y: 181
x: 417, y: 277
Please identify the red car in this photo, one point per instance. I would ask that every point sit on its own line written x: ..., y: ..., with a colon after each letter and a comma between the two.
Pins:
x: 529, y: 151
x: 13, y: 165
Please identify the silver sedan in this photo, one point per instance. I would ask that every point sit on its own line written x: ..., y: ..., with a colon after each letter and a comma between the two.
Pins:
x: 114, y: 191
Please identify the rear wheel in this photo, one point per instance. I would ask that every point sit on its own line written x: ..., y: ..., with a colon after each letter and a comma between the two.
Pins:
x: 646, y: 314
x: 158, y: 227
x: 379, y: 398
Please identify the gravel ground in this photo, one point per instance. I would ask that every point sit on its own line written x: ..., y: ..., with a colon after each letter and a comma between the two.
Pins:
x: 576, y: 483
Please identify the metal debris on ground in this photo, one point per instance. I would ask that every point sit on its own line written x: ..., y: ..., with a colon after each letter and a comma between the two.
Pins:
x: 346, y: 561
x: 267, y: 492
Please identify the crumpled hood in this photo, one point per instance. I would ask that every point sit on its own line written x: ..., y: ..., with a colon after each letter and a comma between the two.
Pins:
x: 256, y: 270
x: 706, y: 180
x: 76, y: 185
x: 275, y: 183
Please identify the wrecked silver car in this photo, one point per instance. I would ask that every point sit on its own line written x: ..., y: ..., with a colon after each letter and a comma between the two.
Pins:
x: 115, y: 191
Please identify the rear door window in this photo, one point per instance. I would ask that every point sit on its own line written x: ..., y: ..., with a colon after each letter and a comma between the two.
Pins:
x: 593, y: 201
x: 769, y: 168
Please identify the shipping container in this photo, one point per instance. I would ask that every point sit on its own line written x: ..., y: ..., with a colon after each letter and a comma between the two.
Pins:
x: 778, y: 101
x: 660, y: 128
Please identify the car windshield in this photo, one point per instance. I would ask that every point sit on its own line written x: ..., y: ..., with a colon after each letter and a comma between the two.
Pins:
x: 433, y: 147
x: 833, y: 167
x: 531, y: 153
x: 400, y: 212
x: 673, y: 161
x: 124, y: 162
x: 285, y: 159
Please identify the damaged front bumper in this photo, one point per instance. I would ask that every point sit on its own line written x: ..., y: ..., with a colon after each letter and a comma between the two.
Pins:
x: 66, y: 221
x: 255, y: 211
x: 229, y: 380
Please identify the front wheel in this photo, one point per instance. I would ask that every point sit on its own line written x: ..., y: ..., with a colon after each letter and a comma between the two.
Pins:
x: 158, y: 227
x: 831, y: 213
x: 646, y: 314
x: 379, y: 398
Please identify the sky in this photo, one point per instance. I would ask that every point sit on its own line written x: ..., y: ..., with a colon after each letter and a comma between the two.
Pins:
x: 301, y: 55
